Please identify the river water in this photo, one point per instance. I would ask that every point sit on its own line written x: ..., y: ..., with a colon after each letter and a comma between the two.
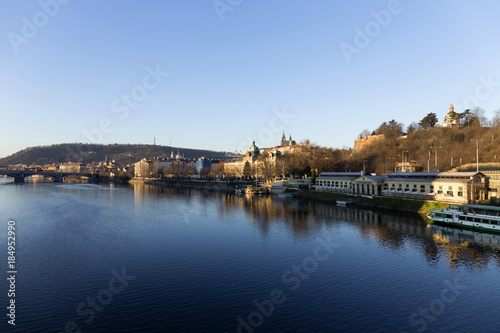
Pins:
x: 137, y: 258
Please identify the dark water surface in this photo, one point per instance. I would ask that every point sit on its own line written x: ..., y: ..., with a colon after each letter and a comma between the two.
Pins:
x: 142, y: 259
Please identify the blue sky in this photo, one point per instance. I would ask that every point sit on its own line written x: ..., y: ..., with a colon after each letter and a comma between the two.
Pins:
x: 228, y: 78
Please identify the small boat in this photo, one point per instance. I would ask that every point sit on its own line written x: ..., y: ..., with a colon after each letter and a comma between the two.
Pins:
x: 262, y: 190
x: 239, y: 190
x: 285, y: 195
x: 344, y: 202
x: 476, y: 217
x: 250, y: 190
x: 256, y: 190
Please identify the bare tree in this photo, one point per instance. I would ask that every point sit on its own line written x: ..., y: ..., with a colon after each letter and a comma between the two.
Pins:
x: 413, y: 127
x: 477, y: 117
x: 363, y: 134
x: 265, y: 168
x: 495, y: 122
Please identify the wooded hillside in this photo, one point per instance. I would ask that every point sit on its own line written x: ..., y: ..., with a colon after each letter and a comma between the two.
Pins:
x: 123, y: 154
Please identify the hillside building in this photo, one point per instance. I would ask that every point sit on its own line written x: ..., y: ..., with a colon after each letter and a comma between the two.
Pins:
x: 409, y: 166
x: 450, y: 119
x: 285, y: 143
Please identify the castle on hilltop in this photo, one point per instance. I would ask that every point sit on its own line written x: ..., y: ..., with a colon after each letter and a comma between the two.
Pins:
x: 285, y: 142
x: 451, y: 119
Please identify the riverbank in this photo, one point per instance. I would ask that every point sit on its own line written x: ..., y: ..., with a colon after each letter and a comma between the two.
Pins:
x: 417, y: 206
x: 203, y: 185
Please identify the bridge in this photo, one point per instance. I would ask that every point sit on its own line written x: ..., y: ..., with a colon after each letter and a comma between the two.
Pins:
x: 58, y: 177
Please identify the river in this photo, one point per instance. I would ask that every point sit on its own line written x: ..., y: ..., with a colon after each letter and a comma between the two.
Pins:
x: 137, y: 258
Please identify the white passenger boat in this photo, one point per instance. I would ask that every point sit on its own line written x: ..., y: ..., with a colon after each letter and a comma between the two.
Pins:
x: 477, y: 217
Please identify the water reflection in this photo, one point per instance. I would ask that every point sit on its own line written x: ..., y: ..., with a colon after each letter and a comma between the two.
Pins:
x: 467, y: 248
x: 394, y: 231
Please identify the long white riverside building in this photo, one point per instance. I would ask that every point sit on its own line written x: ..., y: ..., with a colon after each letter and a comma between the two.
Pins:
x: 457, y: 187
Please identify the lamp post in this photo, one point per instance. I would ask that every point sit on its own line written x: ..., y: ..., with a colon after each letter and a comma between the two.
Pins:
x: 436, y: 155
x: 403, y: 160
x: 429, y: 162
x: 477, y: 153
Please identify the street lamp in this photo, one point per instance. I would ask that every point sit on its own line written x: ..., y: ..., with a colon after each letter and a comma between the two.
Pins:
x: 403, y: 160
x: 477, y: 153
x: 436, y: 154
x: 429, y: 162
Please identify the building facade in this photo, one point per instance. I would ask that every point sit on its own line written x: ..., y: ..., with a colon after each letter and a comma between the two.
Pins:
x: 203, y: 166
x: 143, y: 169
x: 70, y: 167
x: 459, y: 187
x: 409, y: 166
x: 337, y: 181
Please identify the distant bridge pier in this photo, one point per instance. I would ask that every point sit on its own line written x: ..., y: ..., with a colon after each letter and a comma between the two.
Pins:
x: 93, y: 178
x: 19, y: 178
x: 58, y: 178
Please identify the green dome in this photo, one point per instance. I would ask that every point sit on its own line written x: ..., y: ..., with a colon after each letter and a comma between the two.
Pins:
x: 253, y: 148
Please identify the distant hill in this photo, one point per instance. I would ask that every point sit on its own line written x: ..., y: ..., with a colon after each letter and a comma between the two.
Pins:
x: 123, y: 154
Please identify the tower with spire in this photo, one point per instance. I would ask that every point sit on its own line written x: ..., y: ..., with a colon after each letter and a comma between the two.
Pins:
x: 284, y: 142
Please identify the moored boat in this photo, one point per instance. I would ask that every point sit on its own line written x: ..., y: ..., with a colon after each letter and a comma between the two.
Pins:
x: 250, y: 190
x: 262, y: 190
x: 477, y: 217
x: 256, y: 190
x: 344, y: 202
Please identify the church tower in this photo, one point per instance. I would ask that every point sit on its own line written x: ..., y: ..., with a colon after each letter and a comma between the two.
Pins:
x: 283, y: 140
